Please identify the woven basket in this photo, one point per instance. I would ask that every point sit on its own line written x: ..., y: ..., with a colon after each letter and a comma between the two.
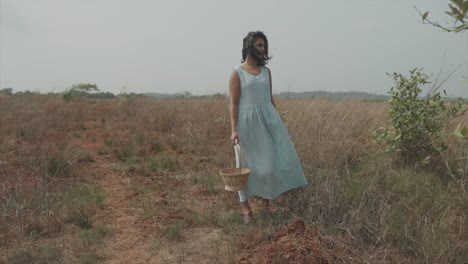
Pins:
x: 235, y: 179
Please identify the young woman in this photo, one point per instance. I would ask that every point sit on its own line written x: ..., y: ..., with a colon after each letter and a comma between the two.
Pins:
x: 266, y: 148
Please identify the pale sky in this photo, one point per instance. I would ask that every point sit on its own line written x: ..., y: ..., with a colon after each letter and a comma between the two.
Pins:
x: 165, y: 46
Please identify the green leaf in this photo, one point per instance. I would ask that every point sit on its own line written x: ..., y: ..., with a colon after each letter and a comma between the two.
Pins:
x: 461, y: 28
x: 426, y: 160
x: 425, y: 16
x: 461, y: 131
x: 455, y: 11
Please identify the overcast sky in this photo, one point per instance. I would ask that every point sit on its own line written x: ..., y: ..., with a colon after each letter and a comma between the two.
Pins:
x: 175, y: 46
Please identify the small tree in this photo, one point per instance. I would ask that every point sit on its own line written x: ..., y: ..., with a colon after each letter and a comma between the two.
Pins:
x: 85, y: 87
x: 417, y: 123
x: 79, y: 90
x: 6, y: 91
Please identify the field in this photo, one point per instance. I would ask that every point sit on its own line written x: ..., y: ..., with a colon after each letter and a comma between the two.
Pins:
x: 136, y: 181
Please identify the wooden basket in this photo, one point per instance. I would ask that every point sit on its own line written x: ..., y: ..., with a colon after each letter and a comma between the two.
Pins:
x: 235, y: 179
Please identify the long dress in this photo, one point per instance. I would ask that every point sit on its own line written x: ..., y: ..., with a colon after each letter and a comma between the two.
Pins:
x: 266, y: 148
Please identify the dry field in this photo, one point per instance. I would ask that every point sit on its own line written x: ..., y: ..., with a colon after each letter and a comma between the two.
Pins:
x: 136, y: 181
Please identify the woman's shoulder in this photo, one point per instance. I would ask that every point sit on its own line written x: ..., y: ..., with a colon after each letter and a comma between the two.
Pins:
x: 236, y: 72
x: 237, y: 68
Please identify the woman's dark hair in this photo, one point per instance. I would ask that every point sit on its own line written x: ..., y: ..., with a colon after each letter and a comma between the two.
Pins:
x: 248, y: 47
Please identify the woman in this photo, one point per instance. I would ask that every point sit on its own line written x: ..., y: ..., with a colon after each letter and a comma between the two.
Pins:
x: 266, y: 148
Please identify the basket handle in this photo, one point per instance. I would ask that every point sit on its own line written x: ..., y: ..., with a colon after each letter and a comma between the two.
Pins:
x: 237, y: 151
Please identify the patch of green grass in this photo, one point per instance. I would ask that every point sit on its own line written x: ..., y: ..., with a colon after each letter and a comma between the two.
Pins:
x: 207, y: 218
x: 78, y: 134
x: 153, y: 165
x: 210, y: 182
x: 109, y: 142
x: 232, y: 221
x: 418, y: 189
x: 125, y: 166
x: 169, y: 162
x: 156, y: 146
x: 105, y: 150
x: 21, y: 133
x: 89, y: 257
x: 174, y: 231
x: 81, y: 218
x: 142, y: 189
x: 127, y: 152
x: 149, y: 207
x: 155, y: 246
x: 402, y: 229
x: 57, y: 166
x: 355, y: 188
x: 213, y: 218
x: 86, y: 156
x: 277, y: 218
x: 95, y: 235
x: 81, y: 194
x: 174, y: 146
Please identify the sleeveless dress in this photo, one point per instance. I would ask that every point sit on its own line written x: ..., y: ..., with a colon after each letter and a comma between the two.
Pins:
x: 266, y: 148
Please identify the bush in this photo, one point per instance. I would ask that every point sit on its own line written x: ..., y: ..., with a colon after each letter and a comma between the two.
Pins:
x: 417, y: 123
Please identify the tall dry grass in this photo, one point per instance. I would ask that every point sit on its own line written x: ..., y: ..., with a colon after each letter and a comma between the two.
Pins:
x: 40, y: 175
x: 199, y: 125
x: 356, y: 192
x: 414, y: 215
x: 390, y: 214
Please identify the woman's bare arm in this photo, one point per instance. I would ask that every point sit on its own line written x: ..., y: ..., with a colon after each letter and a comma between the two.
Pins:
x: 234, y: 92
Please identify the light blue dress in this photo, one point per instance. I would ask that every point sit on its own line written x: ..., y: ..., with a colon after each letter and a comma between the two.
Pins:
x: 266, y: 148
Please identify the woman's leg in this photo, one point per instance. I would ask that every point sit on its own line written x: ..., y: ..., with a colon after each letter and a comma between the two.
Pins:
x: 245, y: 207
x: 246, y: 211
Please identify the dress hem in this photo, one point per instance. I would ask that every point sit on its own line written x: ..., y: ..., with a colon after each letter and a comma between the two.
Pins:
x: 281, y: 192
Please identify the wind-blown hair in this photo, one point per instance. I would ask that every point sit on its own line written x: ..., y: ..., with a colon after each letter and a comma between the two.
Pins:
x: 248, y: 47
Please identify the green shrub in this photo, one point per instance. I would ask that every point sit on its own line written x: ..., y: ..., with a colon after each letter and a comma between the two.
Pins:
x: 417, y: 123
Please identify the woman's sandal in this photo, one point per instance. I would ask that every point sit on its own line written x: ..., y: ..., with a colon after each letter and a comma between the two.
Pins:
x: 247, y: 217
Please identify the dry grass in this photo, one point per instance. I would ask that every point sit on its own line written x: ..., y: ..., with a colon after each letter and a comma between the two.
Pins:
x: 356, y: 195
x: 41, y: 176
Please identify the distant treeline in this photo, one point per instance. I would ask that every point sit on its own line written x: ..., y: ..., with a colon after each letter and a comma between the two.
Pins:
x: 9, y: 91
x: 70, y: 93
x: 283, y: 95
x: 334, y: 95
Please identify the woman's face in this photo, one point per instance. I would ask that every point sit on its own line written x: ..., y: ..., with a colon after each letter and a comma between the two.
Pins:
x: 259, y: 47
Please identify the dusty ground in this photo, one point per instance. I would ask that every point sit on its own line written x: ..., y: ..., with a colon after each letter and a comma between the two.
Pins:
x: 140, y: 238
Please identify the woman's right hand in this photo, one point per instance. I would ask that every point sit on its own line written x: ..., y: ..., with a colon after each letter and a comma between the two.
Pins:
x: 234, y: 137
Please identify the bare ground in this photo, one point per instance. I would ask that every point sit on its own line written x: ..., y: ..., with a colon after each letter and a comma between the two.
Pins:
x: 137, y: 242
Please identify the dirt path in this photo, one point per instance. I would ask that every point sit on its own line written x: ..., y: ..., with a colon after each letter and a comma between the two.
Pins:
x: 129, y: 244
x: 133, y: 242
